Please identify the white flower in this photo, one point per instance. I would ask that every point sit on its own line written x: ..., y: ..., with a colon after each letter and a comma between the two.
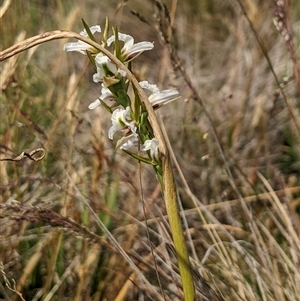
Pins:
x: 133, y: 141
x: 159, y: 98
x: 129, y: 47
x: 152, y: 146
x: 121, y: 121
x: 105, y: 95
x: 104, y: 66
x: 79, y: 45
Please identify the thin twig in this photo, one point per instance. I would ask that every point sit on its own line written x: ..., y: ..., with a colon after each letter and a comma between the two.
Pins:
x: 28, y: 155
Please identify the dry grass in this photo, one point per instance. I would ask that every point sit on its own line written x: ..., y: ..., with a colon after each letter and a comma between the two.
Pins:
x: 72, y: 225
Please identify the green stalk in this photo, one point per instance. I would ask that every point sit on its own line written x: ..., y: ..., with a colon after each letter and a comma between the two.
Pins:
x: 171, y: 202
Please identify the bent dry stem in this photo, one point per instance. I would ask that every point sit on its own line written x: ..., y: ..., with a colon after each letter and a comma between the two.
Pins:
x: 168, y: 185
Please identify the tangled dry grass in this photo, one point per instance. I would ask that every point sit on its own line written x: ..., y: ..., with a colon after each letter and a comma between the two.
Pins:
x: 72, y: 225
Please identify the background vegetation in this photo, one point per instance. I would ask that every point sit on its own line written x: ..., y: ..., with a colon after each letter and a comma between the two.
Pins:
x: 236, y: 152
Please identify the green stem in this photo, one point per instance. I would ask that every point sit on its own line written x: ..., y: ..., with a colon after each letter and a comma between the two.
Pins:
x: 171, y: 202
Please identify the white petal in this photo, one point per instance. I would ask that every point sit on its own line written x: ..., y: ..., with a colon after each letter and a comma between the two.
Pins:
x: 149, y: 144
x: 152, y: 146
x: 139, y: 47
x: 127, y: 39
x: 79, y: 45
x: 122, y: 72
x: 102, y: 60
x: 98, y: 77
x: 125, y: 115
x: 94, y: 104
x: 133, y: 129
x: 112, y: 67
x: 104, y: 89
x: 76, y: 46
x: 107, y: 96
x: 119, y: 120
x: 111, y: 133
x: 93, y: 29
x: 128, y: 42
x: 163, y: 97
x: 129, y: 47
x: 130, y: 143
x: 152, y: 88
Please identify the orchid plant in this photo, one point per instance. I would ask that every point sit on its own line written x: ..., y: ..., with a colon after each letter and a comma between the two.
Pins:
x: 132, y: 106
x: 134, y: 121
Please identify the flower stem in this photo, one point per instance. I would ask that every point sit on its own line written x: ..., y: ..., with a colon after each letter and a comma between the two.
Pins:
x: 170, y: 197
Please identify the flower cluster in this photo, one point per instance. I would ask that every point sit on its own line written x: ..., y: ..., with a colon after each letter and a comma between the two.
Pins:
x: 133, y: 125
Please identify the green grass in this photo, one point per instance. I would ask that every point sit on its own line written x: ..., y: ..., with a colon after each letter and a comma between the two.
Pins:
x: 240, y: 189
